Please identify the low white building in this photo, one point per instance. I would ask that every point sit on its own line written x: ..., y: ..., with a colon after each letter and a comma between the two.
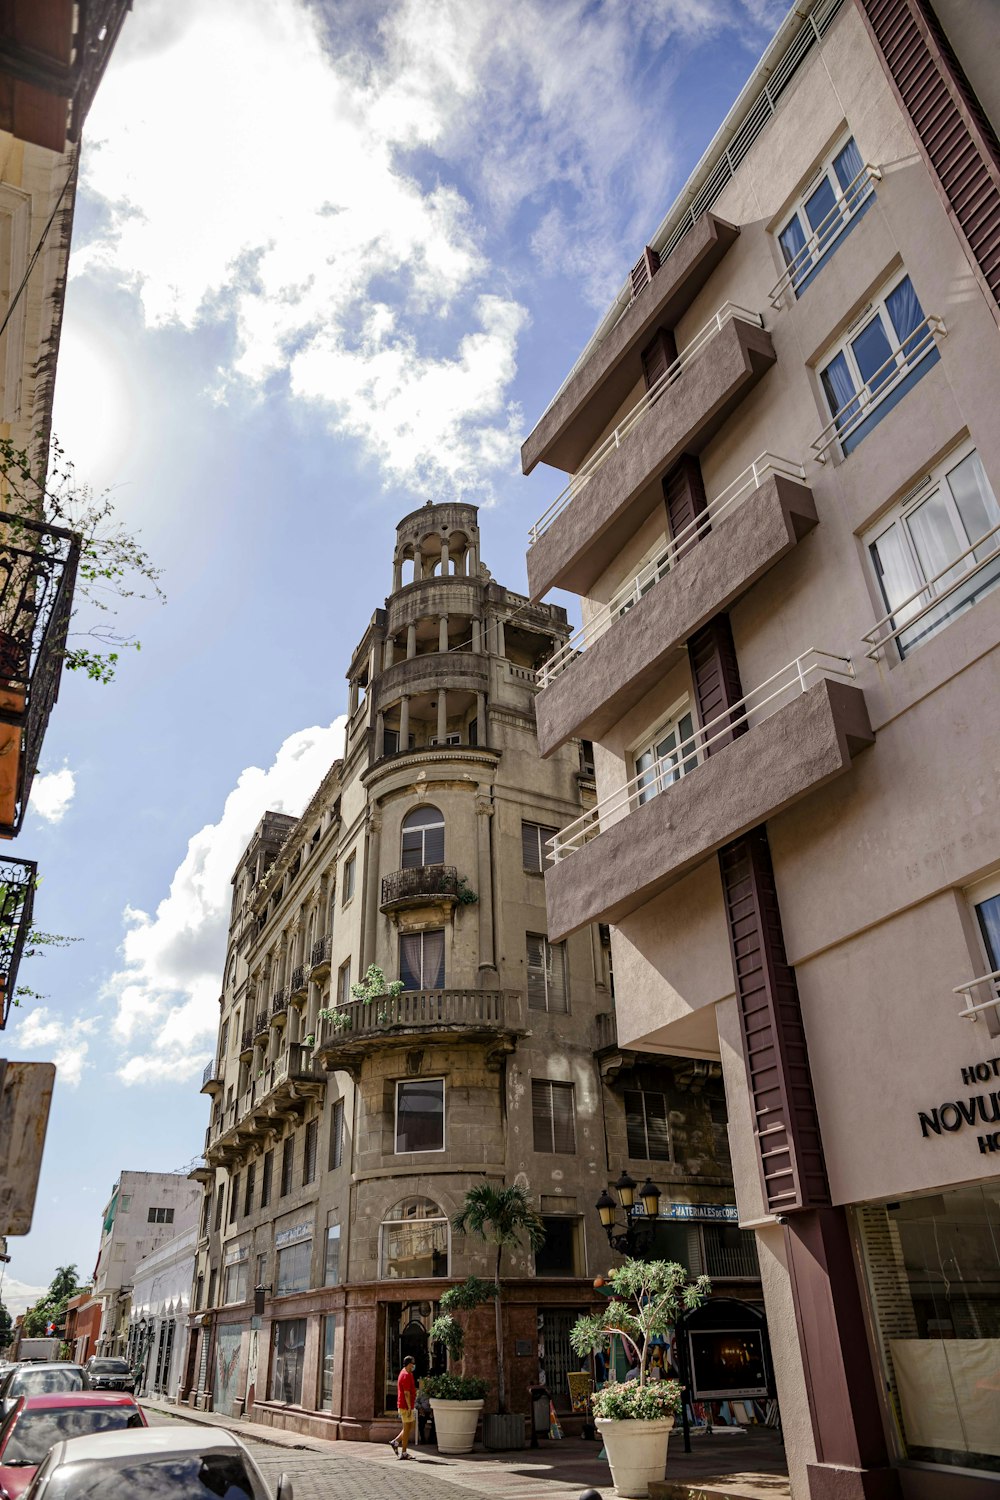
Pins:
x: 145, y: 1211
x: 161, y: 1302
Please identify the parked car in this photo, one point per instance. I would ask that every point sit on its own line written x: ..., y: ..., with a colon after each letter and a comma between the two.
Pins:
x: 40, y: 1380
x: 36, y: 1422
x: 106, y: 1374
x: 179, y: 1462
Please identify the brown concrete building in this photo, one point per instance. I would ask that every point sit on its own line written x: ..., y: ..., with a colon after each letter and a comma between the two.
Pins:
x: 783, y: 519
x: 345, y: 1131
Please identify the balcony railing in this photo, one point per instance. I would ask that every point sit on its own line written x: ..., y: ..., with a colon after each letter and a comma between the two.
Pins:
x: 826, y: 233
x: 743, y: 485
x: 981, y: 995
x: 889, y: 375
x: 212, y: 1074
x: 279, y: 1002
x: 639, y: 412
x: 246, y: 1040
x: 940, y: 598
x: 260, y: 1024
x: 38, y: 566
x: 320, y: 952
x: 425, y: 882
x: 795, y: 678
x: 18, y: 878
x: 420, y: 1010
x: 299, y: 982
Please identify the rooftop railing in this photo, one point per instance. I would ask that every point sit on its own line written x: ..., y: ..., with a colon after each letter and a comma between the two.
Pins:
x: 986, y: 984
x: 826, y: 233
x: 890, y: 374
x: 939, y: 598
x: 18, y: 878
x: 743, y: 485
x: 760, y: 704
x: 639, y: 412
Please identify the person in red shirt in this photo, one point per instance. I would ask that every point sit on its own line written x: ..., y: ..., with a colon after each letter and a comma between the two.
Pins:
x: 406, y: 1400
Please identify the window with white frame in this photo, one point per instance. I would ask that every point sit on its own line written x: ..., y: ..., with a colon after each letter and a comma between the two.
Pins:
x: 235, y: 1282
x: 421, y: 960
x: 828, y: 203
x: 668, y: 756
x: 941, y: 543
x: 884, y: 351
x: 419, y: 1115
x: 984, y: 899
x: 423, y: 838
x: 536, y: 858
x: 546, y: 962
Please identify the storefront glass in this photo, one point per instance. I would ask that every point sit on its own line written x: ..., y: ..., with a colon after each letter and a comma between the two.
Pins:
x: 933, y: 1268
x: 288, y: 1357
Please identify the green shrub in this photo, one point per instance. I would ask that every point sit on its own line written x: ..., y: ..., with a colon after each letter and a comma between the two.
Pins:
x: 630, y: 1400
x: 454, y: 1387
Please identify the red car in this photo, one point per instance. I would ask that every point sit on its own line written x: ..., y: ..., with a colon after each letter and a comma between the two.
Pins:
x: 36, y: 1422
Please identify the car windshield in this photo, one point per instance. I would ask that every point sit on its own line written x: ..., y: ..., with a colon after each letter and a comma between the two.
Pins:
x: 34, y: 1432
x: 108, y: 1367
x: 45, y: 1382
x: 188, y: 1476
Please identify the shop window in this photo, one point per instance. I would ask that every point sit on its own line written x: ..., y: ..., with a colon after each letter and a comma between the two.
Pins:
x: 547, y: 989
x: 419, y: 1115
x: 293, y: 1272
x: 831, y: 202
x: 287, y: 1361
x: 329, y: 1352
x: 423, y: 838
x: 552, y: 1115
x: 421, y: 960
x: 647, y: 1124
x: 235, y: 1286
x: 414, y: 1241
x: 562, y: 1252
x: 535, y: 856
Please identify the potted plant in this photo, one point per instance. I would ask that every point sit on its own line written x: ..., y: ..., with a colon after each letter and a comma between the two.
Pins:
x: 635, y: 1417
x: 456, y: 1401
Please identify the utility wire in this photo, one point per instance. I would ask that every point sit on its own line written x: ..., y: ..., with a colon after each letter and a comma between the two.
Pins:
x: 44, y: 235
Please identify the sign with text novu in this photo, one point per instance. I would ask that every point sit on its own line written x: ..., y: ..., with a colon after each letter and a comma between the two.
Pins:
x: 971, y: 1109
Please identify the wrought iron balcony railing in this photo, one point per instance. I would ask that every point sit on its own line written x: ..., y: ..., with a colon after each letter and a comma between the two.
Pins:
x: 18, y: 878
x: 423, y: 883
x: 38, y: 566
x: 260, y: 1023
x: 246, y: 1040
x: 299, y: 982
x: 320, y: 953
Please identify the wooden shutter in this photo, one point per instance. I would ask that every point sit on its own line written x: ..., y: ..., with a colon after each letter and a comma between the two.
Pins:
x: 336, y: 1155
x: 563, y: 1124
x: 644, y: 270
x: 684, y: 498
x: 309, y: 1154
x: 658, y: 355
x: 248, y: 1200
x: 716, y: 675
x: 287, y: 1150
x: 234, y: 1198
x: 531, y: 847
x: 265, y: 1181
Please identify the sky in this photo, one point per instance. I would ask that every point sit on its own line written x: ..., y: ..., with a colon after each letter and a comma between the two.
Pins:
x: 329, y: 261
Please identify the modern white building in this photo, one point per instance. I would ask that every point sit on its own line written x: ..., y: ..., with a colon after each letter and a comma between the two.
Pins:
x: 161, y: 1302
x: 144, y: 1211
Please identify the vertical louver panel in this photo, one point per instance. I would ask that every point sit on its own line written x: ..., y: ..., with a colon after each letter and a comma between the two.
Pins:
x: 684, y: 497
x: 957, y: 138
x: 644, y: 270
x: 658, y: 355
x: 716, y: 676
x: 789, y: 1147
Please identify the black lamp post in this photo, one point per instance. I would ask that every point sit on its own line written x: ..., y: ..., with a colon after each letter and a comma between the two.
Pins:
x: 638, y: 1231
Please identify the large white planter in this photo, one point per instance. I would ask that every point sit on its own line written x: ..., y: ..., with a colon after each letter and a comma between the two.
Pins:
x: 455, y: 1424
x: 637, y: 1452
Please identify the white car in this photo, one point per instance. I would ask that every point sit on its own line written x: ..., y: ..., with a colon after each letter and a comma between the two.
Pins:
x: 179, y: 1462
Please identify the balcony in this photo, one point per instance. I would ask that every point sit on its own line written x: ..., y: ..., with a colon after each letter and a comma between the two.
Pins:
x: 597, y: 388
x: 319, y: 959
x: 609, y: 665
x: 418, y: 887
x: 211, y: 1079
x: 791, y: 735
x: 281, y: 1091
x: 260, y: 1023
x: 38, y: 566
x: 353, y: 1031
x: 279, y: 1002
x: 982, y: 998
x: 299, y: 982
x: 453, y: 671
x: 609, y: 498
x: 18, y: 878
x: 246, y: 1040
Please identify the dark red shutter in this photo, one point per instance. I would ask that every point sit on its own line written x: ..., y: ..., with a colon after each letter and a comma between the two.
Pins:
x: 644, y: 270
x: 658, y: 355
x: 716, y: 676
x: 684, y: 497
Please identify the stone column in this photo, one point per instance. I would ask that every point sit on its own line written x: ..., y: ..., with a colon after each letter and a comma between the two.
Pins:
x: 481, y: 730
x: 442, y: 715
x: 418, y: 565
x: 397, y: 574
x: 388, y: 653
x: 444, y: 559
x: 488, y: 976
x: 501, y: 647
x: 411, y: 642
x: 372, y: 891
x: 379, y: 735
x: 443, y: 633
x: 477, y: 633
x: 404, y: 722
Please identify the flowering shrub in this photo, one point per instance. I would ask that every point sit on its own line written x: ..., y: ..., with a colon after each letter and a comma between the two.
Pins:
x: 630, y: 1400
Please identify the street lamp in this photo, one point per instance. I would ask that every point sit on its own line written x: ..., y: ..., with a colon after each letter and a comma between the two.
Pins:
x: 638, y: 1230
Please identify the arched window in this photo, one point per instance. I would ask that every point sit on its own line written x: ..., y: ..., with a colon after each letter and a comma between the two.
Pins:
x: 423, y: 838
x: 414, y: 1241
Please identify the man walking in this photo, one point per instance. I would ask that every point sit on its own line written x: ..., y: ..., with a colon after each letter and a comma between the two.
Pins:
x: 406, y: 1400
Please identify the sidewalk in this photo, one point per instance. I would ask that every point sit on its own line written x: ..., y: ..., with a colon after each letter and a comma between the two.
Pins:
x: 726, y: 1466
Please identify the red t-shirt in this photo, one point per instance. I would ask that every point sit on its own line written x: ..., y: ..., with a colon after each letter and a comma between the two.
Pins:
x: 406, y: 1390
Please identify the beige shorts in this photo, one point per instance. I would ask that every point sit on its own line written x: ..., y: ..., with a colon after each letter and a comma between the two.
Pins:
x: 406, y: 1416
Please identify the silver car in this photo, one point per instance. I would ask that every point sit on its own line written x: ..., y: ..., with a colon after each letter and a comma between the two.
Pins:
x: 109, y: 1374
x: 179, y: 1462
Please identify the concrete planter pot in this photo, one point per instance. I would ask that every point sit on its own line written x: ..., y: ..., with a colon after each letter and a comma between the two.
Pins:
x: 637, y: 1452
x: 455, y: 1424
x: 503, y: 1431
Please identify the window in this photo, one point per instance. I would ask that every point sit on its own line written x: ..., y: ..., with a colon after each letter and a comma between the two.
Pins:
x: 287, y: 1154
x: 552, y: 1117
x: 647, y: 1125
x: 660, y: 763
x: 562, y: 1252
x: 213, y: 1277
x: 125, y: 1203
x: 423, y: 838
x: 877, y: 363
x: 829, y: 203
x: 449, y: 739
x: 329, y: 1349
x: 534, y: 837
x: 206, y: 1214
x: 309, y: 1154
x: 235, y: 1282
x: 287, y: 1361
x: 729, y: 1250
x: 261, y: 1276
x: 421, y: 960
x: 234, y: 1197
x: 914, y: 551
x: 219, y: 1201
x: 294, y: 1268
x: 265, y: 1179
x: 546, y: 975
x: 414, y: 1241
x: 224, y: 1040
x: 344, y: 983
x: 390, y: 742
x: 160, y: 1216
x: 420, y: 1115
x: 350, y: 871
x: 248, y: 1196
x: 331, y: 1273
x: 336, y: 1155
x: 199, y: 1293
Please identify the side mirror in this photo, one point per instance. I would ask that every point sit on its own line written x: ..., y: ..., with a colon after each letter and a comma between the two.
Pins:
x: 285, y: 1491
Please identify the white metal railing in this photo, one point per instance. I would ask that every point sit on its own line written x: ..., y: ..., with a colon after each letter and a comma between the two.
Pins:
x: 743, y: 485
x: 879, y: 636
x: 641, y: 409
x: 973, y: 1009
x: 760, y: 704
x: 864, y: 401
x: 827, y: 231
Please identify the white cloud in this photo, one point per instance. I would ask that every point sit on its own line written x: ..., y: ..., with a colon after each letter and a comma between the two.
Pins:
x: 18, y: 1296
x: 52, y: 793
x: 167, y: 990
x: 64, y: 1041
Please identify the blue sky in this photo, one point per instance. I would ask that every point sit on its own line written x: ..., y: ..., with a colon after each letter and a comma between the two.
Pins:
x: 329, y: 261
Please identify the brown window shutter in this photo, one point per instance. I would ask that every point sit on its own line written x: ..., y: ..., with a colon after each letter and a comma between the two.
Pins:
x: 658, y: 355
x: 644, y: 270
x: 684, y: 497
x: 716, y: 676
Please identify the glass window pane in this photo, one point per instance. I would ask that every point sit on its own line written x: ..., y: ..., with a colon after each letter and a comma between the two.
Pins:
x: 976, y: 503
x: 906, y: 313
x: 838, y: 386
x: 329, y: 1349
x: 819, y: 211
x: 932, y: 529
x: 874, y: 354
x: 410, y: 953
x: 792, y: 239
x: 847, y: 164
x: 988, y: 913
x: 895, y: 571
x: 287, y: 1361
x: 332, y: 1270
x: 420, y: 1115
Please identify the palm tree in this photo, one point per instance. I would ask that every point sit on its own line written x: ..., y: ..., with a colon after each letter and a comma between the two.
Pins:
x: 502, y: 1216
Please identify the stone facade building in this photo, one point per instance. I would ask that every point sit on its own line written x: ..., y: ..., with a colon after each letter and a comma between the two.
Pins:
x: 345, y: 1131
x: 783, y: 520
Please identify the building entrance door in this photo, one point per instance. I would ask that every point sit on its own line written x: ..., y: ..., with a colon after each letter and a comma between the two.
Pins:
x: 407, y: 1331
x: 556, y: 1358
